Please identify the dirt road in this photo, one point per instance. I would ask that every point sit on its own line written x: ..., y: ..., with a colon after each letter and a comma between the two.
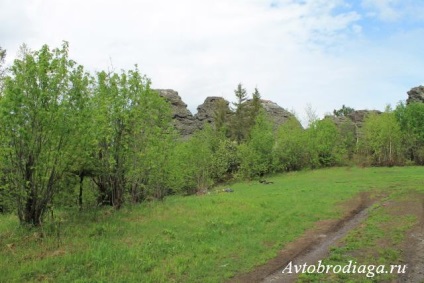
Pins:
x: 315, y: 244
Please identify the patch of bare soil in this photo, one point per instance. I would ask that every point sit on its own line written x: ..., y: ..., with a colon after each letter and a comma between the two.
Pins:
x: 413, y: 246
x: 313, y: 245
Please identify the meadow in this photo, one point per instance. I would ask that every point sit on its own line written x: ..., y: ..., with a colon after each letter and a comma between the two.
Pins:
x: 199, y: 238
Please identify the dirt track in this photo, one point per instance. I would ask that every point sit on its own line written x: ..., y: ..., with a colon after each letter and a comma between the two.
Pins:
x: 414, y: 244
x: 314, y: 245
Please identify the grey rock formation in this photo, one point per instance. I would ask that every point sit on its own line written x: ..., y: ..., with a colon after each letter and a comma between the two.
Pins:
x: 416, y: 94
x: 340, y: 120
x: 276, y: 113
x: 187, y: 123
x: 352, y: 122
x: 358, y: 116
x: 206, y: 111
x: 184, y: 121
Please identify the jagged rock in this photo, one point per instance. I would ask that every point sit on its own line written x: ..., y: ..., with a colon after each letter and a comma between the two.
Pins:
x: 206, y: 111
x: 184, y: 121
x: 276, y: 113
x: 187, y: 124
x: 416, y: 94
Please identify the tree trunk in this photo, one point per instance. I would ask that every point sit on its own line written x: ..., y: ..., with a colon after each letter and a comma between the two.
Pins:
x: 80, y: 190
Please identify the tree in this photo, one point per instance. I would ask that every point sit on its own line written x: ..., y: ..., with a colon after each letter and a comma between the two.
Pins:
x: 38, y: 127
x: 290, y: 149
x: 245, y: 113
x: 133, y: 135
x: 221, y: 117
x: 344, y: 111
x: 382, y: 139
x: 255, y: 107
x: 2, y: 70
x: 151, y: 146
x: 240, y: 117
x: 256, y: 154
x: 192, y: 162
x: 411, y: 120
x: 324, y: 147
x: 347, y: 133
x: 311, y: 114
x: 83, y: 164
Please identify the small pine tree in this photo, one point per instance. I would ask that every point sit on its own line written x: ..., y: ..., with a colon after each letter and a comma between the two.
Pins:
x: 240, y: 118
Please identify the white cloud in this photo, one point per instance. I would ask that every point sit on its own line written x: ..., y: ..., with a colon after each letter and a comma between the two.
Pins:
x: 395, y: 10
x: 295, y: 52
x: 383, y: 9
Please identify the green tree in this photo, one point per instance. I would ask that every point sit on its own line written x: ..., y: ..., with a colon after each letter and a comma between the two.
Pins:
x: 411, y: 120
x: 2, y: 58
x: 255, y: 107
x: 2, y: 69
x: 221, y: 117
x: 84, y: 148
x: 256, y: 154
x: 348, y: 140
x: 4, y: 194
x: 38, y: 127
x: 245, y: 113
x: 324, y: 147
x: 133, y: 134
x: 192, y: 162
x: 151, y: 146
x: 290, y: 149
x: 240, y: 118
x: 344, y: 111
x: 382, y: 139
x: 225, y: 160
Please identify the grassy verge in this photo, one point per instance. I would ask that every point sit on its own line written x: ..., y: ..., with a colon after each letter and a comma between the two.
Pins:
x: 187, y: 239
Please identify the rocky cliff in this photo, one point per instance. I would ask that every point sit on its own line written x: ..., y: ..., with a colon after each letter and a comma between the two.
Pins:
x: 416, y: 94
x: 187, y: 123
x: 276, y: 113
x: 206, y: 111
x: 184, y: 121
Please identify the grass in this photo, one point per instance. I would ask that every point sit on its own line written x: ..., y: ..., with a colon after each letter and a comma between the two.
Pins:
x: 188, y: 239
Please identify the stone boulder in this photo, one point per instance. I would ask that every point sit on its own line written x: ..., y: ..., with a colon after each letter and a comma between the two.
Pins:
x: 416, y: 94
x: 184, y: 121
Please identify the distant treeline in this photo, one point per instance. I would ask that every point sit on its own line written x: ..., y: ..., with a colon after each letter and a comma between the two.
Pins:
x: 71, y: 138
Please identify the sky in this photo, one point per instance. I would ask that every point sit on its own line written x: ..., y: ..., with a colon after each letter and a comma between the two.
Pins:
x: 319, y: 54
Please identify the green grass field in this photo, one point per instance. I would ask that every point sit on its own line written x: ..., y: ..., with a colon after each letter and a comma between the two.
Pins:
x: 204, y: 238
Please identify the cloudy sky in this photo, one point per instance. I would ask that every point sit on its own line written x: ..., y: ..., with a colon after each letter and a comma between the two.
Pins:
x: 325, y: 53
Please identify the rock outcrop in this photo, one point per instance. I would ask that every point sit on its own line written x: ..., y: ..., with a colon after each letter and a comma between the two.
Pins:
x: 276, y: 113
x: 358, y: 116
x: 184, y: 121
x: 206, y: 111
x: 353, y: 122
x: 416, y: 94
x: 187, y: 123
